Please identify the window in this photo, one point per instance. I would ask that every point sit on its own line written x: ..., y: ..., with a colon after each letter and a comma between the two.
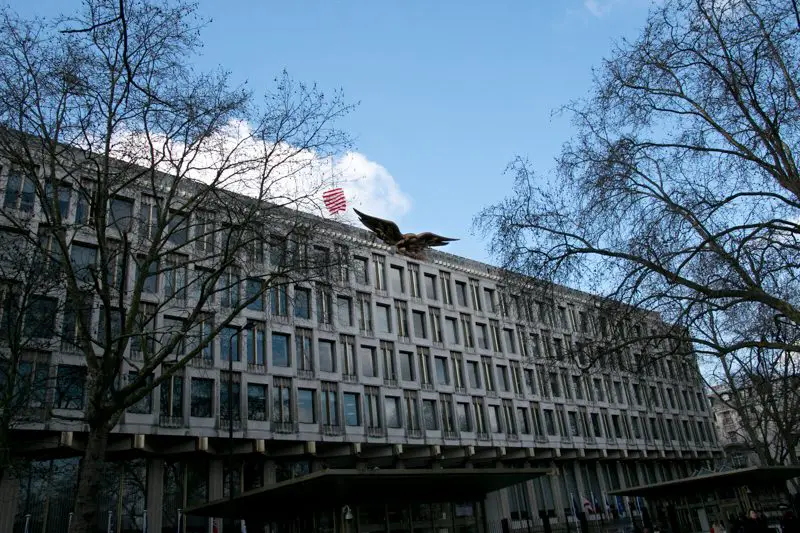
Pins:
x: 364, y: 312
x: 429, y: 414
x: 20, y: 191
x: 120, y: 213
x: 175, y: 277
x: 419, y: 324
x: 282, y: 400
x: 305, y: 406
x: 466, y: 330
x: 40, y: 317
x: 413, y: 281
x: 230, y: 406
x: 572, y: 420
x: 461, y: 293
x: 70, y: 383
x: 254, y: 294
x: 278, y: 253
x: 424, y: 354
x: 304, y: 355
x: 302, y: 302
x: 59, y: 202
x: 327, y: 355
x: 229, y: 343
x: 494, y: 328
x: 447, y: 297
x: 148, y: 217
x: 327, y: 400
x: 524, y: 421
x: 324, y: 304
x: 401, y: 309
x: 387, y: 359
x: 550, y: 422
x: 412, y: 415
x: 480, y: 422
x: 204, y: 233
x: 392, y: 408
x: 555, y: 389
x: 202, y: 397
x: 474, y: 287
x: 577, y: 386
x: 229, y: 288
x: 361, y: 270
x: 464, y: 420
x: 451, y: 330
x: 509, y: 418
x: 396, y: 279
x: 516, y: 378
x: 529, y: 381
x: 369, y: 361
x: 84, y: 208
x: 348, y: 355
x: 256, y: 338
x: 84, y: 261
x: 436, y: 325
x: 379, y: 272
x: 442, y: 375
x: 491, y: 301
x: 430, y: 286
x: 342, y: 262
x: 371, y: 407
x: 256, y: 401
x: 172, y: 396
x: 482, y: 336
x: 344, y: 311
x: 595, y: 418
x: 352, y: 409
x: 458, y: 377
x: 494, y: 419
x: 406, y: 366
x: 502, y: 378
x: 279, y: 300
x: 280, y: 350
x: 384, y: 318
x: 177, y: 228
x: 488, y: 376
x: 448, y: 418
x: 473, y: 374
x: 509, y: 338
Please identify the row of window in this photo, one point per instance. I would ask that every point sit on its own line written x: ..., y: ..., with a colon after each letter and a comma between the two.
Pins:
x: 437, y: 286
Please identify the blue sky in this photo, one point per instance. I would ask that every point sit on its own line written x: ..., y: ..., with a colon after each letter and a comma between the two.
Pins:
x: 449, y: 90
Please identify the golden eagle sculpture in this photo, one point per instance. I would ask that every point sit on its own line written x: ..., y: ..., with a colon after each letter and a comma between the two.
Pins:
x: 410, y: 244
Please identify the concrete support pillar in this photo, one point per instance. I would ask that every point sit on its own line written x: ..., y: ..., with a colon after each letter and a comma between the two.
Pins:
x: 604, y: 485
x: 557, y: 484
x: 9, y: 498
x: 216, y: 479
x: 270, y: 472
x: 155, y: 493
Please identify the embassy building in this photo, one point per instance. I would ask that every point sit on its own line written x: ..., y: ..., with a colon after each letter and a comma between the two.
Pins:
x: 400, y: 365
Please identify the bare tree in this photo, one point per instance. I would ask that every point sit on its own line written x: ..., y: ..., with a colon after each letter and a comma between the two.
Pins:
x: 680, y: 193
x: 161, y: 190
x: 30, y: 282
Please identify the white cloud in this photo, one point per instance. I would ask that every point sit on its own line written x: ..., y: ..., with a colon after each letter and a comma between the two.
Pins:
x: 598, y: 8
x: 370, y: 187
x: 294, y: 177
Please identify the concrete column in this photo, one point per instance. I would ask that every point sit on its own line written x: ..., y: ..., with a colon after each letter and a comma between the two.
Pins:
x: 9, y: 498
x: 556, y: 488
x: 604, y: 485
x: 155, y: 493
x: 215, y: 489
x: 270, y: 474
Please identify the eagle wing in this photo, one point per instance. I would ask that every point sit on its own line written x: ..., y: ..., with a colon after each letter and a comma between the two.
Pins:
x: 431, y: 239
x: 386, y: 230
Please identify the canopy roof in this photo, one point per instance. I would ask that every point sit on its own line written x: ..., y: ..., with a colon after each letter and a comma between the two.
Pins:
x: 334, y: 488
x: 751, y: 476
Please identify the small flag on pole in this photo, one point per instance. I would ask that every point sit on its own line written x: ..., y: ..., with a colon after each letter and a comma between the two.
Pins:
x: 587, y: 505
x: 334, y: 200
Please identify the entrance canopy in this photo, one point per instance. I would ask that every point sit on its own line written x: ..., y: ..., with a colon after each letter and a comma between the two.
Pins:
x: 729, y: 479
x: 330, y: 488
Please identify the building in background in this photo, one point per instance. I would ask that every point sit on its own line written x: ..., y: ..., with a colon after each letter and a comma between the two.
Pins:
x: 394, y: 363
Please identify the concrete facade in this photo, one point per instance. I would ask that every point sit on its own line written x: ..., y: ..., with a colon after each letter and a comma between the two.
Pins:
x: 397, y: 362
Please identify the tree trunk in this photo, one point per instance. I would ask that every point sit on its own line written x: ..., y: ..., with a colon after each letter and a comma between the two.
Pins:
x: 91, y: 469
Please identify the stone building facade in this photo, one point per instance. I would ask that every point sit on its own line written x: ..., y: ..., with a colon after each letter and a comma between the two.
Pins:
x: 398, y: 363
